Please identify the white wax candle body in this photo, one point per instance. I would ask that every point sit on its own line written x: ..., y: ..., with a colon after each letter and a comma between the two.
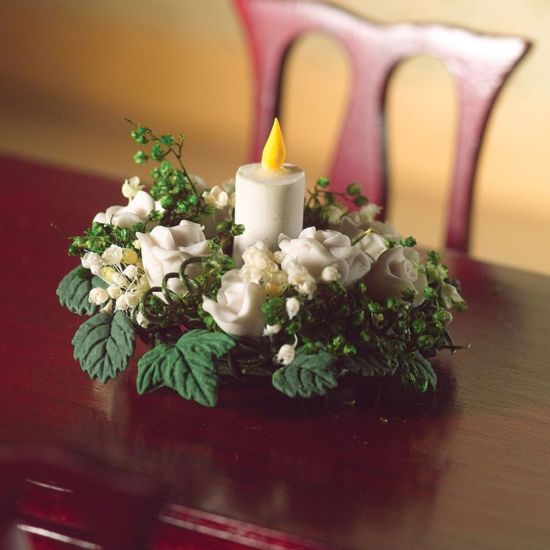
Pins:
x: 268, y: 203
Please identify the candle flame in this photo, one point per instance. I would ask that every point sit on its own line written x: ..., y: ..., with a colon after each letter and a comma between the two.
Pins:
x: 274, y: 153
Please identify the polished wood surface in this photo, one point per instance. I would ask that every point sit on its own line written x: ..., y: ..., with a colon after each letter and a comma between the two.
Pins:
x: 479, y: 63
x: 466, y: 467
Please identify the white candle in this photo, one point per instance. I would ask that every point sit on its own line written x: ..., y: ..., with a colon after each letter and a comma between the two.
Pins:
x: 269, y: 198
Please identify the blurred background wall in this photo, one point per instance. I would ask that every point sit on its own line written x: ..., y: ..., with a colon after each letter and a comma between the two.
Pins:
x: 71, y: 70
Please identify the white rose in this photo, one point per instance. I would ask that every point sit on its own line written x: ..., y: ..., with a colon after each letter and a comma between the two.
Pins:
x: 286, y: 354
x: 316, y: 250
x: 137, y: 211
x: 372, y: 244
x: 292, y: 307
x: 165, y: 248
x: 238, y: 306
x: 396, y: 270
x: 355, y: 223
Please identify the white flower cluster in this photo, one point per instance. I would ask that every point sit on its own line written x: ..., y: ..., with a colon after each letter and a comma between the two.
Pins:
x: 261, y: 266
x: 123, y: 272
x: 220, y: 197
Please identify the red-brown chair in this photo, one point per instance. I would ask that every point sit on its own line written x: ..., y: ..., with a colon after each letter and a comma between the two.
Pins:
x: 480, y: 63
x: 54, y: 497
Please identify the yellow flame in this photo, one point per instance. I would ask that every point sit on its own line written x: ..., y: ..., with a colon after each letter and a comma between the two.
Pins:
x: 274, y: 153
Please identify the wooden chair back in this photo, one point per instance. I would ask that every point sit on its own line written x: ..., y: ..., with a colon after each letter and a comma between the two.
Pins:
x: 480, y: 63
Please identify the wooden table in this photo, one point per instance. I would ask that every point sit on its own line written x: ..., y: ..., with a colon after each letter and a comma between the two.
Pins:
x: 467, y: 467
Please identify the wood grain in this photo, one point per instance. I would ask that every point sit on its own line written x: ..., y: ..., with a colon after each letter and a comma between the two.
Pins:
x: 466, y: 467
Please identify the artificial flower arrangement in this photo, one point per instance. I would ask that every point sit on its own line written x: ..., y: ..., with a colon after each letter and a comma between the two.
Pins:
x: 348, y: 294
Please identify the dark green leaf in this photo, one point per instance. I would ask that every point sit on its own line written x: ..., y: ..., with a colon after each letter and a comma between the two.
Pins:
x: 323, y: 182
x: 307, y: 375
x: 99, y: 282
x: 73, y: 291
x: 140, y: 157
x: 204, y: 342
x: 167, y: 139
x: 420, y: 373
x: 368, y: 365
x: 103, y: 345
x: 353, y: 189
x: 187, y: 367
x: 157, y: 152
x: 153, y: 364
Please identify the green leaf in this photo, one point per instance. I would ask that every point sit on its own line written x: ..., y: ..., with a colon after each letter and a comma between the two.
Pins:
x: 99, y: 282
x: 140, y: 157
x: 103, y: 345
x: 323, y: 182
x: 353, y: 189
x: 420, y: 373
x: 167, y: 139
x: 73, y: 291
x: 368, y: 365
x: 307, y: 375
x: 186, y: 367
x: 153, y: 364
x: 204, y: 342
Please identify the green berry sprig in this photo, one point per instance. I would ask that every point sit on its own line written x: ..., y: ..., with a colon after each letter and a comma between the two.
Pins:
x: 172, y: 185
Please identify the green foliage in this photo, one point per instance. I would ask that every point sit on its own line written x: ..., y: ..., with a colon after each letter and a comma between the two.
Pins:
x: 408, y: 242
x: 140, y: 157
x: 307, y: 375
x: 368, y: 366
x: 320, y: 201
x: 364, y: 336
x: 187, y: 367
x: 172, y: 184
x: 103, y: 344
x: 101, y: 236
x: 418, y: 371
x: 73, y: 291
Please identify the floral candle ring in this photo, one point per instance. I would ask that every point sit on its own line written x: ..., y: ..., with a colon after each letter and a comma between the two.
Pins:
x: 246, y: 278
